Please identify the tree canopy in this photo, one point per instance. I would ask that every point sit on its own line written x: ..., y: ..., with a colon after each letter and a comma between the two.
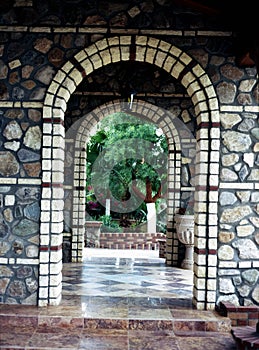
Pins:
x: 129, y: 154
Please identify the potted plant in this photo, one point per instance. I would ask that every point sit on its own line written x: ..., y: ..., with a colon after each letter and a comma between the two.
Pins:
x: 109, y: 225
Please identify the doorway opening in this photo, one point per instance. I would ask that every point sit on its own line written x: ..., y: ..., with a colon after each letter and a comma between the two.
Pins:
x: 126, y: 180
x: 139, y: 161
x: 202, y: 96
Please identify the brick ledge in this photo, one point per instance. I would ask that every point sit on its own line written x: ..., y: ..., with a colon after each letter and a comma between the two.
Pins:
x: 239, y: 315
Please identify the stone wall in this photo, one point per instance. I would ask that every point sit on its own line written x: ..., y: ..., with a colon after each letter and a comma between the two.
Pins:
x: 130, y: 240
x: 38, y: 41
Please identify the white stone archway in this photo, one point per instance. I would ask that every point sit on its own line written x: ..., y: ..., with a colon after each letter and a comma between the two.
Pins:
x: 78, y: 137
x: 201, y: 91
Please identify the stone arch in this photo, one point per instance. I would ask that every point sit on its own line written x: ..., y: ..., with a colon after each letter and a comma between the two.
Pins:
x: 201, y: 91
x: 79, y: 137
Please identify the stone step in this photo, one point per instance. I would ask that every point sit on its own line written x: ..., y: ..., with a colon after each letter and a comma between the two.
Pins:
x: 181, y: 321
x: 246, y: 338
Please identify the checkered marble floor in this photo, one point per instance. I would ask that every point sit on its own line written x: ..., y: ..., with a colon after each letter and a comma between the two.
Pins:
x: 129, y: 301
x: 126, y: 277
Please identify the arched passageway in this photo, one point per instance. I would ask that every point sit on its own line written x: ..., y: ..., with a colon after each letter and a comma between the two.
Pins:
x: 77, y: 138
x: 199, y: 88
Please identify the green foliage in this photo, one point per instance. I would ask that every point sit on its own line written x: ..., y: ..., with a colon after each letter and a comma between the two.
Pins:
x: 95, y: 146
x: 114, y: 130
x: 109, y: 225
x: 106, y: 219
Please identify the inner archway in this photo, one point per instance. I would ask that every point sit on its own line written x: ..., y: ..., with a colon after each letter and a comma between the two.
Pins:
x: 126, y: 182
x: 171, y: 126
x: 199, y: 88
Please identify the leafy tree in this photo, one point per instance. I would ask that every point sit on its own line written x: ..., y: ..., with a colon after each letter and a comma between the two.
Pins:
x: 118, y: 134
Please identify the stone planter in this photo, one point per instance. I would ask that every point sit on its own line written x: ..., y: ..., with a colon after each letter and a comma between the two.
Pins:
x: 184, y: 225
x: 92, y: 234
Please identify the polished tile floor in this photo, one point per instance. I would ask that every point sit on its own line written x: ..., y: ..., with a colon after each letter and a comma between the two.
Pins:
x: 136, y: 275
x: 127, y: 301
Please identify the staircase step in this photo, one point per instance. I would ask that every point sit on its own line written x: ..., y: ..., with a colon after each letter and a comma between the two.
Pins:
x: 52, y: 328
x: 246, y: 337
x: 179, y: 321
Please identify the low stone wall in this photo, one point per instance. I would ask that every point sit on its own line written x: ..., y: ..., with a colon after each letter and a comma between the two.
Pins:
x: 239, y: 315
x: 130, y: 240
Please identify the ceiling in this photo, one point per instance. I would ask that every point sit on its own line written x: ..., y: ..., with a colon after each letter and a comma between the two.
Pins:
x: 239, y: 17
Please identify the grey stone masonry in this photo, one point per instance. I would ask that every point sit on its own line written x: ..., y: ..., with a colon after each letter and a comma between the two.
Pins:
x: 62, y: 70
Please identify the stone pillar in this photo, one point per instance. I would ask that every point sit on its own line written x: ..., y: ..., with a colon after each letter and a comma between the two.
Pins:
x: 151, y: 217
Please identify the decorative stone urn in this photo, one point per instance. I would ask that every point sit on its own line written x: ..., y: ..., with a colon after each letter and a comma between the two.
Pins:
x: 184, y: 224
x: 92, y: 233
